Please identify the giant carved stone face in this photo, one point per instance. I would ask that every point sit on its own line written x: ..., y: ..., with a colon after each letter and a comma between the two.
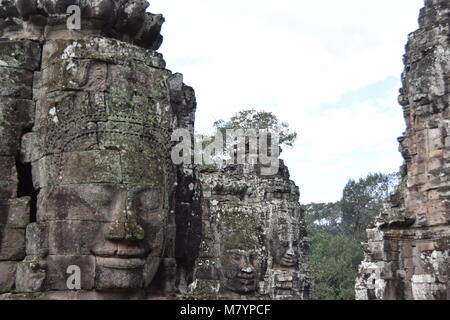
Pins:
x: 242, y: 270
x: 108, y: 215
x: 243, y: 257
x: 285, y: 243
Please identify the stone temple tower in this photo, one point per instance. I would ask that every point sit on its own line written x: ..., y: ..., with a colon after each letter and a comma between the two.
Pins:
x: 406, y: 256
x: 87, y: 186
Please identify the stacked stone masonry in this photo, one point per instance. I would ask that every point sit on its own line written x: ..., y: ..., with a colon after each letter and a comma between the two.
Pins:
x: 86, y: 177
x: 407, y: 253
x: 254, y: 243
x: 86, y: 174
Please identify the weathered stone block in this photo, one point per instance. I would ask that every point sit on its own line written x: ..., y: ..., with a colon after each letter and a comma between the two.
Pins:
x: 8, y: 190
x: 121, y: 80
x: 376, y: 249
x: 24, y: 54
x: 63, y: 106
x: 74, y: 74
x: 16, y: 212
x: 76, y: 202
x: 8, y: 171
x: 10, y: 133
x: 209, y: 289
x: 98, y: 167
x: 7, y: 276
x: 43, y: 172
x: 107, y: 279
x: 72, y: 237
x: 30, y: 276
x: 57, y: 271
x: 120, y: 135
x: 37, y: 240
x: 209, y: 248
x: 17, y: 111
x: 16, y: 83
x: 12, y: 244
x: 100, y: 49
x: 426, y: 245
x: 139, y: 168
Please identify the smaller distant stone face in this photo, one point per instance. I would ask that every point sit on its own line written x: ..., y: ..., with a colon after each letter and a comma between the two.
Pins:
x: 287, y: 279
x: 285, y: 240
x: 254, y: 244
x: 243, y: 254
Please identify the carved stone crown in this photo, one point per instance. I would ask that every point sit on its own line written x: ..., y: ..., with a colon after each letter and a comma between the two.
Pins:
x: 125, y: 20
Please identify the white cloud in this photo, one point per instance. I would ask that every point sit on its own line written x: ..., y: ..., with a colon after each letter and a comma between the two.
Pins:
x: 292, y: 57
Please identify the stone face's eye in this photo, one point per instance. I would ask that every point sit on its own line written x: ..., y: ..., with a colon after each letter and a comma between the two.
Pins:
x: 148, y: 200
x: 98, y: 196
x: 285, y: 244
x: 236, y: 257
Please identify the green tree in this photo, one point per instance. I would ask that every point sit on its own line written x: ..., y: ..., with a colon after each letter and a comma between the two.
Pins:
x: 334, y: 264
x: 324, y: 217
x: 363, y: 200
x: 260, y: 120
x: 337, y: 230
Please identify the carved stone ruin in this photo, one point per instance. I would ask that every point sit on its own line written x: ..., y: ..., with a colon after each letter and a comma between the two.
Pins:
x: 407, y: 255
x: 86, y: 174
x: 87, y: 184
x: 254, y: 243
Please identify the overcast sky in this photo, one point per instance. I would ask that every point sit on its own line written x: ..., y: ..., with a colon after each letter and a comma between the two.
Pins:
x: 330, y: 68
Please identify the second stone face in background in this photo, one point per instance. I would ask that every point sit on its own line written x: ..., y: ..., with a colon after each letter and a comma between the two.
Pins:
x: 254, y: 243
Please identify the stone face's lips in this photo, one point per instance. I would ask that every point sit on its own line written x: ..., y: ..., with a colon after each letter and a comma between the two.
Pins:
x: 247, y: 282
x: 244, y: 276
x: 128, y: 253
x: 120, y: 263
x: 288, y: 262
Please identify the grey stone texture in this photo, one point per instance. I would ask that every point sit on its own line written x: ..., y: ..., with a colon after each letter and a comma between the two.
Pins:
x: 406, y: 256
x: 254, y: 243
x: 86, y: 178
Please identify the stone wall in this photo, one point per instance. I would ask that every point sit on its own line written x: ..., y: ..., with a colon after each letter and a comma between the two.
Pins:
x: 406, y: 256
x: 18, y: 61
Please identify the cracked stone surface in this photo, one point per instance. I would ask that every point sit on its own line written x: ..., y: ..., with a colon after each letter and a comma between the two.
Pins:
x: 406, y: 256
x: 254, y: 243
x: 86, y: 175
x: 86, y: 179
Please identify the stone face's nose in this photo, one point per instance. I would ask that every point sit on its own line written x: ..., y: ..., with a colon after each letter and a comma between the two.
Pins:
x: 125, y: 227
x: 290, y: 252
x: 246, y: 266
x: 248, y: 270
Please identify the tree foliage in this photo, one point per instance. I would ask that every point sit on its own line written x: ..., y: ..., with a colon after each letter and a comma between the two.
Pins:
x: 363, y: 200
x: 260, y: 120
x: 337, y: 230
